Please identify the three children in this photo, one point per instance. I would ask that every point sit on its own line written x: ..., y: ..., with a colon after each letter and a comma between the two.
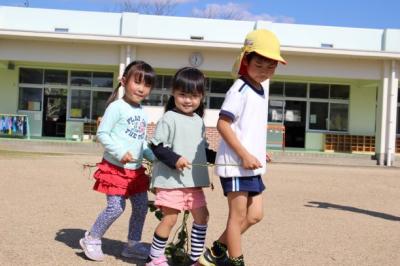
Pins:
x: 179, y: 141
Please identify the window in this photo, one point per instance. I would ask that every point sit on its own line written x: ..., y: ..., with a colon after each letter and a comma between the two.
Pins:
x: 30, y: 99
x: 52, y: 76
x: 99, y: 103
x: 276, y: 88
x: 398, y: 119
x: 167, y: 83
x: 275, y: 111
x: 216, y: 102
x: 88, y: 91
x: 92, y: 79
x: 295, y: 89
x: 220, y: 85
x: 88, y: 104
x: 31, y: 75
x: 339, y: 92
x: 80, y: 104
x: 155, y: 99
x: 328, y: 104
x: 89, y: 94
x: 338, y: 117
x: 217, y: 88
x: 103, y: 80
x: 320, y: 91
x: 159, y: 95
x: 318, y: 116
x: 81, y: 78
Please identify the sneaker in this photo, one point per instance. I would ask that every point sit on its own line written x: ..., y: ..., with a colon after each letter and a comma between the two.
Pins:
x: 209, y: 259
x: 92, y: 247
x: 136, y: 250
x: 160, y: 261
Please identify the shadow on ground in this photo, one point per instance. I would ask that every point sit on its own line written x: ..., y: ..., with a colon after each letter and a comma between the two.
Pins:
x: 326, y: 205
x: 71, y: 236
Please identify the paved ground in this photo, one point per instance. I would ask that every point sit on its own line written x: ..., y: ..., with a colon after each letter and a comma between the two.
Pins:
x: 314, y: 214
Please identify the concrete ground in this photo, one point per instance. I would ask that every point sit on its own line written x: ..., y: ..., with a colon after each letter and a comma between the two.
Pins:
x: 314, y: 214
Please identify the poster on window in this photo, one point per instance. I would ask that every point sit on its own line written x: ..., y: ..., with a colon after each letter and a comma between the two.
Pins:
x: 13, y: 125
x: 293, y: 116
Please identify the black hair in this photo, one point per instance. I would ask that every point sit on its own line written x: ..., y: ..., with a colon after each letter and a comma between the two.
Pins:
x: 252, y: 55
x: 140, y: 71
x: 188, y: 80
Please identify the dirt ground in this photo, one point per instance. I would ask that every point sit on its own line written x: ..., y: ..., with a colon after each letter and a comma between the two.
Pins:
x: 314, y: 214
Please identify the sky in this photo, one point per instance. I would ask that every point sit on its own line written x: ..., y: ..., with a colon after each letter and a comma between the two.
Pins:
x: 378, y: 14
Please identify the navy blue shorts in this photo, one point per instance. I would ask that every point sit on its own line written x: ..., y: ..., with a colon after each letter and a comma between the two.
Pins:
x: 251, y: 184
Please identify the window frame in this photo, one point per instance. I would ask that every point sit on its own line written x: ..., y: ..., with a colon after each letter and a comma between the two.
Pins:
x: 91, y: 89
x: 33, y: 86
x: 66, y: 86
x: 166, y: 90
x: 309, y: 100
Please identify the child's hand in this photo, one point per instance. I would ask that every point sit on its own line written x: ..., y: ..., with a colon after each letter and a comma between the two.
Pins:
x: 127, y: 158
x: 182, y: 163
x: 250, y: 162
x: 268, y: 158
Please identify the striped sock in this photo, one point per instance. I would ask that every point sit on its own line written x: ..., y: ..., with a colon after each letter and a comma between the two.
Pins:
x: 158, y: 246
x: 197, y: 239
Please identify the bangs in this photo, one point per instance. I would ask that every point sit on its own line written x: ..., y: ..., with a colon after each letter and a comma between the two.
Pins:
x: 189, y: 81
x: 191, y: 87
x: 141, y: 72
x: 147, y: 77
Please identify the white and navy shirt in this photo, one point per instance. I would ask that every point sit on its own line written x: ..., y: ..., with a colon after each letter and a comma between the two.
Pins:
x: 247, y: 107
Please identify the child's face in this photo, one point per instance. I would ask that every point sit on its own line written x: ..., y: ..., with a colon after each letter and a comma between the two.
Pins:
x: 260, y: 68
x: 135, y: 91
x: 187, y: 103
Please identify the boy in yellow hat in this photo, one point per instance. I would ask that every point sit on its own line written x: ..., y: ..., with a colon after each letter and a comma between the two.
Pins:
x: 241, y: 156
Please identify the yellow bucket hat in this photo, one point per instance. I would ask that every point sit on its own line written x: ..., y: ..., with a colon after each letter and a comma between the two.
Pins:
x: 264, y: 43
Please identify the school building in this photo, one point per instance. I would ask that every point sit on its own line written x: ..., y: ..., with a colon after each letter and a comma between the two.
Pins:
x: 339, y: 91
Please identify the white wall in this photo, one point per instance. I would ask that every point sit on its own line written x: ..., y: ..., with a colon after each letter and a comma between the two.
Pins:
x: 166, y: 27
x: 351, y: 68
x: 391, y: 40
x: 362, y: 109
x: 314, y: 36
x: 8, y: 89
x: 173, y: 58
x: 38, y: 19
x: 59, y: 52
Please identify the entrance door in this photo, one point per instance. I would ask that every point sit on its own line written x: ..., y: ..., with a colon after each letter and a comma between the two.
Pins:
x: 54, y: 112
x: 295, y: 123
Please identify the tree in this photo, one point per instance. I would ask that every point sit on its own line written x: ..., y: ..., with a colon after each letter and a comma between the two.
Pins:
x: 154, y: 7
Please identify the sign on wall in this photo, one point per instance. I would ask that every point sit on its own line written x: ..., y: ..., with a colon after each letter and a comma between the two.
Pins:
x: 13, y: 125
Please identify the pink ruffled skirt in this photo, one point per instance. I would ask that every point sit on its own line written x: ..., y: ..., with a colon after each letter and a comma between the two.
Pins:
x: 115, y: 180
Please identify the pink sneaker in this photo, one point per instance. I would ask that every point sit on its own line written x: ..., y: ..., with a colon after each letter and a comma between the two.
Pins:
x: 160, y: 261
